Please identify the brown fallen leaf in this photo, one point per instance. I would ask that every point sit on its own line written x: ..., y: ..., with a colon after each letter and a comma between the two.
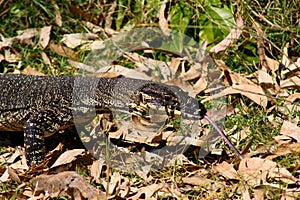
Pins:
x: 74, y: 40
x: 11, y: 57
x: 26, y: 36
x: 258, y: 193
x: 163, y: 22
x: 291, y: 98
x: 31, y: 71
x: 68, y: 184
x: 147, y: 192
x: 230, y: 38
x: 13, y: 175
x: 23, y: 37
x: 58, y: 19
x: 115, y: 181
x: 96, y: 169
x: 128, y: 73
x: 272, y: 64
x: 292, y: 68
x: 174, y: 65
x: 260, y: 45
x: 44, y: 36
x: 253, y: 92
x: 156, y: 70
x: 264, y: 78
x: 197, y: 181
x: 293, y: 82
x: 109, y: 15
x: 257, y: 170
x: 245, y: 192
x: 227, y: 170
x: 63, y: 51
x: 200, y: 85
x: 191, y: 74
x: 285, y: 149
x: 16, y: 155
x: 291, y: 130
x: 68, y: 157
x: 87, y: 16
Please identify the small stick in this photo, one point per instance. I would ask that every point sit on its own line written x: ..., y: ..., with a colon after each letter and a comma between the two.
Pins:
x: 224, y: 136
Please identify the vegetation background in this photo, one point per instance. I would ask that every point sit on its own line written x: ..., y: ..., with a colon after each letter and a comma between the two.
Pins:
x: 253, y: 43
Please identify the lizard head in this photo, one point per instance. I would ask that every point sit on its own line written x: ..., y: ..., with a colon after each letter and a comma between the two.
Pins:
x: 170, y: 99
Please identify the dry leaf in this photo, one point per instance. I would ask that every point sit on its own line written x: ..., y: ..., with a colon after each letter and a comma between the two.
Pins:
x: 291, y: 130
x: 74, y: 40
x: 147, y: 192
x: 45, y: 58
x: 245, y: 192
x: 191, y: 74
x: 44, y: 36
x: 264, y: 77
x: 31, y: 71
x: 163, y: 23
x: 227, y: 170
x: 200, y: 85
x: 68, y: 157
x: 258, y: 193
x: 293, y: 82
x: 285, y: 58
x: 69, y: 184
x: 174, y: 65
x: 284, y: 149
x: 272, y: 64
x: 84, y: 15
x: 291, y: 194
x: 253, y: 92
x: 58, y: 20
x: 293, y: 97
x: 5, y: 43
x: 25, y: 36
x: 291, y: 68
x: 16, y: 155
x: 96, y: 169
x: 109, y: 14
x: 79, y: 65
x: 260, y: 45
x: 4, y: 177
x: 114, y: 182
x: 63, y: 51
x: 157, y: 70
x: 256, y: 171
x: 1, y: 56
x: 93, y: 27
x: 124, y: 188
x: 230, y: 38
x: 11, y: 57
x: 13, y: 175
x: 197, y: 181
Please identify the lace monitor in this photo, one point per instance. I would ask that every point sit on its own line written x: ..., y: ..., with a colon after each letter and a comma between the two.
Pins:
x: 43, y: 105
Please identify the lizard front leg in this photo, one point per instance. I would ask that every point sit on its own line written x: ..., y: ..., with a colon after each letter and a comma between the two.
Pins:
x: 40, y: 125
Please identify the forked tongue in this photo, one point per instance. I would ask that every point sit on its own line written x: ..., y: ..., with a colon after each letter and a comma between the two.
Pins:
x: 223, y: 136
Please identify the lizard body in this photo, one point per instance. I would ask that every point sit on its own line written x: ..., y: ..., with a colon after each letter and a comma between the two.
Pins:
x: 43, y: 105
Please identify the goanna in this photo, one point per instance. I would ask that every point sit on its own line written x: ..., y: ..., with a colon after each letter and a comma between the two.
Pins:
x: 42, y: 105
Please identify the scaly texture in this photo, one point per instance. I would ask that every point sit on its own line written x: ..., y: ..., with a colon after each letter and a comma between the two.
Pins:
x: 43, y: 105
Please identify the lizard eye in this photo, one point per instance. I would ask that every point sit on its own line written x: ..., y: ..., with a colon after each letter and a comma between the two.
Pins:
x: 167, y: 98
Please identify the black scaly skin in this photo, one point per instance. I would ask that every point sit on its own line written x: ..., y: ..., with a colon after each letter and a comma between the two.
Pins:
x: 43, y: 105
